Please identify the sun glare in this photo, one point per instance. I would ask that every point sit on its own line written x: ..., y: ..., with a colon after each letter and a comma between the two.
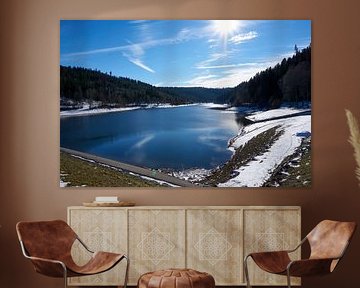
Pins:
x: 225, y: 28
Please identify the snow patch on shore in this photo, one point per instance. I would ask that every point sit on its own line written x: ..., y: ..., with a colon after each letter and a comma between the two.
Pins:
x: 257, y: 171
x: 85, y: 110
x: 63, y: 183
x: 261, y: 115
x: 214, y: 105
x: 192, y: 175
x: 160, y: 182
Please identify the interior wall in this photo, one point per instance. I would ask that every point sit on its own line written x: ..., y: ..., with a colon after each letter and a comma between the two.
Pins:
x: 29, y: 114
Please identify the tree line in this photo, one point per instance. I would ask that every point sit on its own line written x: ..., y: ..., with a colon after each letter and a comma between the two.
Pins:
x: 288, y: 81
x: 81, y: 84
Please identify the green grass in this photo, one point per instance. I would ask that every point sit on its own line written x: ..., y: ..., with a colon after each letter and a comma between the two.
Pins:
x: 78, y: 172
x: 254, y: 147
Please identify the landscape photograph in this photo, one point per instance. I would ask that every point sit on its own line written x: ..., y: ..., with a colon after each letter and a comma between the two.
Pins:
x: 185, y: 103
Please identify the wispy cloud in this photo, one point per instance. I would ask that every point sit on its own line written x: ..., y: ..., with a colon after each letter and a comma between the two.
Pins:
x: 231, y: 75
x: 199, y: 81
x: 139, y: 63
x: 213, y: 57
x: 135, y: 54
x: 243, y: 37
x: 229, y: 65
x: 181, y: 36
x: 97, y: 51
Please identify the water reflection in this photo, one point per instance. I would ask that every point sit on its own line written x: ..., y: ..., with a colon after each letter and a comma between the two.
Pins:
x: 175, y: 138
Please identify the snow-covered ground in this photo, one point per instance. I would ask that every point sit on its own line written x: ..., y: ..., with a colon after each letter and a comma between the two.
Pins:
x: 87, y: 111
x: 192, y: 175
x: 257, y: 171
x: 153, y: 180
x: 274, y: 113
x: 214, y: 105
x: 63, y: 184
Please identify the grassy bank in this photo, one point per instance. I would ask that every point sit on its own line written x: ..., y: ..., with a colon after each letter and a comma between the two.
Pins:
x: 79, y: 172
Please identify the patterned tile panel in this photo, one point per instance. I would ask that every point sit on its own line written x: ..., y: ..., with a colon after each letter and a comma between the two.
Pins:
x: 100, y: 230
x: 214, y: 241
x: 270, y: 230
x: 156, y: 240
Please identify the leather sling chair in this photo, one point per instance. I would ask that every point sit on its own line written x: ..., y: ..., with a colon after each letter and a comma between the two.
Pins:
x: 48, y: 245
x: 328, y: 242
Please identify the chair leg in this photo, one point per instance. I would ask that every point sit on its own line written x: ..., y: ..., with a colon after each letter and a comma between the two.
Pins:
x: 288, y: 278
x: 246, y: 272
x: 65, y: 276
x: 127, y: 271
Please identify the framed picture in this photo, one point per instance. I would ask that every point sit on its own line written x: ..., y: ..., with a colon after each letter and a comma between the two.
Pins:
x: 185, y: 103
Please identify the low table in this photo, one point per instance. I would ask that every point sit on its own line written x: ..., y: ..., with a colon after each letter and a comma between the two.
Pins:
x: 176, y: 278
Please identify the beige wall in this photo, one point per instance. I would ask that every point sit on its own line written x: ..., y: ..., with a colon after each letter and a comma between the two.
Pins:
x: 29, y: 114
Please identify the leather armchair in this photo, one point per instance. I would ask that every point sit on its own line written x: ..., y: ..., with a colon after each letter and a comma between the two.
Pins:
x: 48, y: 246
x: 328, y: 242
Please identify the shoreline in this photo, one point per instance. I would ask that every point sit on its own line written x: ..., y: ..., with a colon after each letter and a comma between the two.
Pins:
x: 95, y: 111
x: 142, y: 172
x: 262, y: 166
x: 267, y: 155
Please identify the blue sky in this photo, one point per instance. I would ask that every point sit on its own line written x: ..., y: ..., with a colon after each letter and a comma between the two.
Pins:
x: 206, y: 53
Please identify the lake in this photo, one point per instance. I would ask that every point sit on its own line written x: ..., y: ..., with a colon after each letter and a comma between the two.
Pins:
x: 178, y: 138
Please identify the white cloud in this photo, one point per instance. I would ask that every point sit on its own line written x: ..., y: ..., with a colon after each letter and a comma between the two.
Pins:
x: 97, y: 51
x: 159, y: 84
x: 216, y: 66
x: 212, y: 58
x: 243, y: 37
x: 200, y: 80
x: 232, y: 74
x: 228, y: 65
x: 139, y: 63
x: 181, y: 36
x: 137, y: 52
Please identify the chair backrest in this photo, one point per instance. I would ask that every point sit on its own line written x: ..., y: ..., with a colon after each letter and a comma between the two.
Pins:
x: 46, y: 239
x: 329, y: 239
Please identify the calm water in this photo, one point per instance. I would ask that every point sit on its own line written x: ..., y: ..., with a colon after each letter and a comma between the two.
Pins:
x: 176, y: 138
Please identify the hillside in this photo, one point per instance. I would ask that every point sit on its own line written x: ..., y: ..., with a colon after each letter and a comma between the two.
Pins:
x: 288, y: 81
x: 198, y: 94
x: 81, y: 84
x: 85, y: 85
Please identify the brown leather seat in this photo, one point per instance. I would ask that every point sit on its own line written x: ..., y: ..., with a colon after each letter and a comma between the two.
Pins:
x: 176, y: 278
x: 48, y: 245
x: 328, y: 242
